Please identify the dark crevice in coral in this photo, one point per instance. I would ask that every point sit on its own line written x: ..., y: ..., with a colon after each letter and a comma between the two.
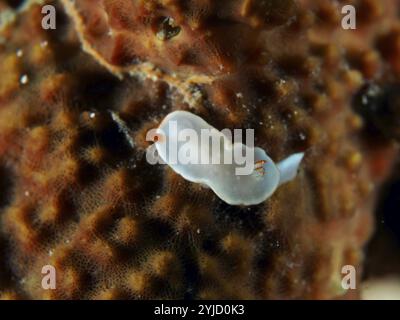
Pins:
x: 269, y: 247
x: 188, y: 254
x: 98, y: 85
x: 209, y: 245
x: 88, y: 174
x: 294, y: 65
x: 6, y: 186
x: 59, y: 34
x: 149, y: 178
x: 380, y: 107
x: 385, y: 244
x: 14, y: 3
x: 249, y: 219
x: 5, y: 272
x: 191, y: 273
x: 140, y: 106
x: 95, y: 89
x: 115, y: 142
x: 163, y: 231
x: 64, y: 55
x: 390, y: 207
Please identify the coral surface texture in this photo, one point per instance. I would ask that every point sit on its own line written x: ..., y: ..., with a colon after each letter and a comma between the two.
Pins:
x: 76, y: 194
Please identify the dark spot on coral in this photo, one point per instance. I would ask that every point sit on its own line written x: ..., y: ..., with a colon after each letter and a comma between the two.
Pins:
x: 99, y: 85
x: 295, y: 65
x: 96, y: 88
x: 5, y: 272
x: 270, y: 243
x: 246, y: 218
x: 191, y: 272
x: 270, y: 246
x: 261, y: 89
x: 14, y: 3
x: 276, y: 12
x: 210, y: 245
x: 190, y: 57
x: 385, y: 244
x: 390, y: 208
x: 6, y: 186
x: 114, y: 140
x: 380, y: 107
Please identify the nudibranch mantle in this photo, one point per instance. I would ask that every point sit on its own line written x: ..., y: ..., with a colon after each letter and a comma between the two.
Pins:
x: 221, y: 177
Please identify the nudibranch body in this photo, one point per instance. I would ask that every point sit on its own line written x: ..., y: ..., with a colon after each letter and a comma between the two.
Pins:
x: 180, y: 144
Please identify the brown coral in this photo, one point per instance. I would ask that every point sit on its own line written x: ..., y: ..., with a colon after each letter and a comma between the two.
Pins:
x: 184, y: 37
x: 78, y: 197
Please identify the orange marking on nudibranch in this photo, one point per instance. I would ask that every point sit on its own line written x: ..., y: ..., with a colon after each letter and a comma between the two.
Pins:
x: 260, y: 169
x: 262, y: 162
x: 158, y: 138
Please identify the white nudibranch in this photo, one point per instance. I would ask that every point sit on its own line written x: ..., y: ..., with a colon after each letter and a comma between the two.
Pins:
x: 178, y: 143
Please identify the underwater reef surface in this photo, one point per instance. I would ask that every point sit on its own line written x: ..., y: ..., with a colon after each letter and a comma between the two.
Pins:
x: 75, y: 195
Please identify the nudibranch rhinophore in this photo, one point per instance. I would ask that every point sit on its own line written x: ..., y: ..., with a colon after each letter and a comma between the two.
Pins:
x: 239, y: 174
